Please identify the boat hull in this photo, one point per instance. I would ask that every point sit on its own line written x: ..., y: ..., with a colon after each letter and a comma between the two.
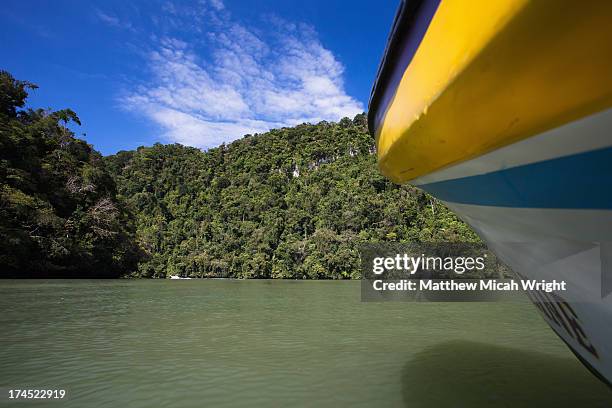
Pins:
x: 502, y: 110
x: 548, y: 230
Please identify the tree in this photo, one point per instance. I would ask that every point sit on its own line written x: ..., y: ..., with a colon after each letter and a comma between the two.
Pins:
x: 59, y: 214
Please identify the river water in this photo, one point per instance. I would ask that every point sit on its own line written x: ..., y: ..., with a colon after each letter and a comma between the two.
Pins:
x: 223, y: 343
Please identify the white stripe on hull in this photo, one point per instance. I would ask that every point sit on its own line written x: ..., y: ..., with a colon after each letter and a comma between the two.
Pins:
x: 515, y: 224
x: 590, y: 133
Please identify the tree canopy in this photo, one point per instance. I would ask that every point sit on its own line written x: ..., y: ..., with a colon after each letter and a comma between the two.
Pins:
x: 290, y: 203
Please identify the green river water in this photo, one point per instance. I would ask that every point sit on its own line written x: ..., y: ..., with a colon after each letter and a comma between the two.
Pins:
x: 223, y: 343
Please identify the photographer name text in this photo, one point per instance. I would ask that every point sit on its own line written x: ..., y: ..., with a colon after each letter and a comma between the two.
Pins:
x: 454, y: 285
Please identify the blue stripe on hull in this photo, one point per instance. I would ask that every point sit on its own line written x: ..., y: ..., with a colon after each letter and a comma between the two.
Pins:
x: 581, y: 181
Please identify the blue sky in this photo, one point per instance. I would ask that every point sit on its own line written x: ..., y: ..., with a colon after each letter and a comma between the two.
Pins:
x: 200, y: 72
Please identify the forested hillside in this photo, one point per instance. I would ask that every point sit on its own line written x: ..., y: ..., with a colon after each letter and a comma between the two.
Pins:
x: 290, y: 203
x: 59, y: 215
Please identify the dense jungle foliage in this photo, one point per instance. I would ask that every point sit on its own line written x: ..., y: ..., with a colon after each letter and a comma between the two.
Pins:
x: 290, y: 203
x: 59, y: 214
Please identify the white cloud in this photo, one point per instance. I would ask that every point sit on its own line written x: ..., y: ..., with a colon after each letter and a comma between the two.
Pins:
x: 112, y: 20
x: 247, y: 81
x: 217, y: 4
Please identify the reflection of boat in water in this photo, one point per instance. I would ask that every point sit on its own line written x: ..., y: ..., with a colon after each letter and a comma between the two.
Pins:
x: 501, y: 109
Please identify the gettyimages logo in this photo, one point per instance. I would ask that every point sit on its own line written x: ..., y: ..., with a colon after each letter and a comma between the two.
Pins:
x: 442, y: 272
x: 413, y: 264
